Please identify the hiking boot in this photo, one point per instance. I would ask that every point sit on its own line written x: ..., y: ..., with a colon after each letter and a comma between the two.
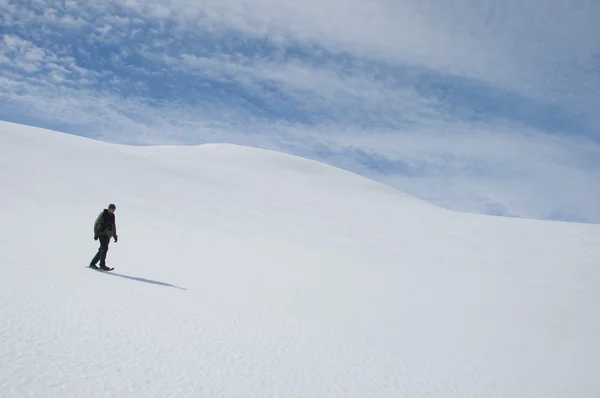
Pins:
x: 94, y: 266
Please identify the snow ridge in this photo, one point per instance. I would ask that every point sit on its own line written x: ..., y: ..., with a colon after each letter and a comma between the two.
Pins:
x: 241, y: 272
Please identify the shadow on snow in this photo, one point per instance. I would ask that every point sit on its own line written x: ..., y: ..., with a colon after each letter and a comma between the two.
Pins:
x: 135, y: 278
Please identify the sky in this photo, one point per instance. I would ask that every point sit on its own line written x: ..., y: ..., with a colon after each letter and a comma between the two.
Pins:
x: 479, y: 106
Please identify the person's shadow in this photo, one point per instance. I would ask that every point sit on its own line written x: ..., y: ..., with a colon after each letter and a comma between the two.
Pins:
x: 135, y: 278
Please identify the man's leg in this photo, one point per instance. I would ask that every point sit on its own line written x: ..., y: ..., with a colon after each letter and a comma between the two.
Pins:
x: 95, y: 259
x: 104, y: 241
x: 97, y: 256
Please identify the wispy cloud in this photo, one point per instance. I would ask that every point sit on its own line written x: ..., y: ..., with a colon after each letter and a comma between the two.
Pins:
x: 478, y: 106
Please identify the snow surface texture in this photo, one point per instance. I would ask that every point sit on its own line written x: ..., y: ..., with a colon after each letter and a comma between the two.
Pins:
x: 242, y: 272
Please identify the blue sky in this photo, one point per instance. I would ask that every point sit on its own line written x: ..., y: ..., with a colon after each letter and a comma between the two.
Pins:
x: 481, y: 106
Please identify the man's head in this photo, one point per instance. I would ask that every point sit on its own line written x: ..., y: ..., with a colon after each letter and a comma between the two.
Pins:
x: 112, y: 208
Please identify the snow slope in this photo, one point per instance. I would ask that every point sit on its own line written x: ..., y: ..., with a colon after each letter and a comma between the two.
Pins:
x: 248, y: 273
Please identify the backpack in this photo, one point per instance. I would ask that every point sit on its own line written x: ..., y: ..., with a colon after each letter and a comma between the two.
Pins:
x: 102, y: 222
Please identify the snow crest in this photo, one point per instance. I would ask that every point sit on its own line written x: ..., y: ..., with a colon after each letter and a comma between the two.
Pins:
x: 242, y: 272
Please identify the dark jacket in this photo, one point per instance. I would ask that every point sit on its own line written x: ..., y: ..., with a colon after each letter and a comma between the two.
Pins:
x: 105, y: 224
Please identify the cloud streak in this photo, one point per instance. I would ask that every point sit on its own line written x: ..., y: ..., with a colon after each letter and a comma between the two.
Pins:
x: 476, y: 106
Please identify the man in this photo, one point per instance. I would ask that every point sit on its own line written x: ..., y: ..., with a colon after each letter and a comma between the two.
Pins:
x: 104, y: 228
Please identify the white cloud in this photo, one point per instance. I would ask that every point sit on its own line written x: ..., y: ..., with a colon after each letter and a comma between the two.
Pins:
x: 26, y: 56
x: 478, y: 38
x: 539, y: 49
x: 72, y: 21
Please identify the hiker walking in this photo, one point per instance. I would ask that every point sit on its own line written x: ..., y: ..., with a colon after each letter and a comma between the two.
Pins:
x: 104, y: 228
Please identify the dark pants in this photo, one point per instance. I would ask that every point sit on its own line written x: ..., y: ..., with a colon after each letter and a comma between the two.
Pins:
x: 101, y: 255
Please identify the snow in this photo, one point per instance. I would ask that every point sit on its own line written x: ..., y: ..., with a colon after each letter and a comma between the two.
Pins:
x: 241, y: 272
